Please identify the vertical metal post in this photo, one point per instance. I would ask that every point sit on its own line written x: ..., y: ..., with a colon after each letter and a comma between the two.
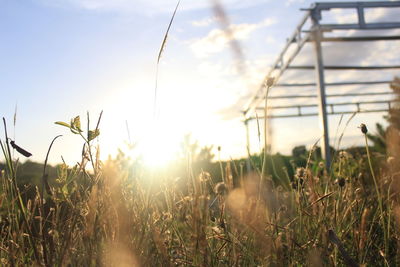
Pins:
x: 319, y: 68
x: 248, y: 165
x: 361, y: 16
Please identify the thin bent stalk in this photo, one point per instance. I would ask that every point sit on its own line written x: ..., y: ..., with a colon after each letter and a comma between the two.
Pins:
x: 382, y: 215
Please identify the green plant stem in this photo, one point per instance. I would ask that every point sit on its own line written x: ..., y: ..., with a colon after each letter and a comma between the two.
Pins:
x: 378, y: 194
x: 264, y: 164
x: 19, y: 201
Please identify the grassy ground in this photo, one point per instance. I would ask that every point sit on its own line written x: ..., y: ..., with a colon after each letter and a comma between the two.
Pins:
x: 120, y: 214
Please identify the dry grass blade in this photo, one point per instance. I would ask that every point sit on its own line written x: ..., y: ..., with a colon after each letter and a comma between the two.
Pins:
x: 321, y: 198
x: 164, y: 42
x: 346, y: 257
x: 44, y: 179
x: 166, y: 34
x: 347, y: 123
x: 15, y: 115
x: 258, y: 128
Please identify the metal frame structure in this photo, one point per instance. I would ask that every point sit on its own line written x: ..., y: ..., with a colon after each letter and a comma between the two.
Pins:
x: 315, y: 35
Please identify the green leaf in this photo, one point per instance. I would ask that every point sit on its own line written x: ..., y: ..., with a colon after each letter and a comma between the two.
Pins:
x: 74, y: 131
x: 93, y: 134
x: 63, y: 124
x: 65, y: 190
x: 77, y: 123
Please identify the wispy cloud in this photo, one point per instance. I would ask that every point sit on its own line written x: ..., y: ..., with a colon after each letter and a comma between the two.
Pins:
x: 291, y: 2
x: 217, y: 39
x: 144, y: 6
x: 204, y: 22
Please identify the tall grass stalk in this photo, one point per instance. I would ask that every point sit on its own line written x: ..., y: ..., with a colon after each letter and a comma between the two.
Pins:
x: 380, y: 199
x: 268, y: 84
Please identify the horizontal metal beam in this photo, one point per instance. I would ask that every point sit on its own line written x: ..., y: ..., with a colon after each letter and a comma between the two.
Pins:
x: 356, y: 26
x: 331, y: 95
x: 332, y: 67
x: 331, y: 111
x: 316, y: 114
x: 331, y: 84
x: 329, y: 5
x: 361, y: 38
x: 330, y: 104
x: 354, y: 38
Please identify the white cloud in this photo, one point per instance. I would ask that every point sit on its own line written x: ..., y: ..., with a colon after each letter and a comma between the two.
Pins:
x: 145, y: 6
x: 217, y: 39
x: 204, y: 22
x: 270, y: 40
x: 291, y: 2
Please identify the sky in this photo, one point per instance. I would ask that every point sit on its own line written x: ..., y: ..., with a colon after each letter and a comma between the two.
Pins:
x: 64, y: 58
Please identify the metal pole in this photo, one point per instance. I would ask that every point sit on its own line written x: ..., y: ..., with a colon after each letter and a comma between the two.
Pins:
x: 248, y: 165
x: 319, y: 67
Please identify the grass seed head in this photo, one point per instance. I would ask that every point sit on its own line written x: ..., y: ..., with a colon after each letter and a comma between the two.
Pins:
x: 270, y: 81
x: 300, y: 172
x: 363, y: 128
x: 220, y: 188
x: 341, y: 182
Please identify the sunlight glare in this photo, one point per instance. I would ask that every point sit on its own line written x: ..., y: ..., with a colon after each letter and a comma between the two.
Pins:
x: 159, y: 147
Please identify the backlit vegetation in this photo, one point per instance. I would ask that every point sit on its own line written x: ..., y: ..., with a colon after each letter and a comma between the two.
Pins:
x: 119, y: 213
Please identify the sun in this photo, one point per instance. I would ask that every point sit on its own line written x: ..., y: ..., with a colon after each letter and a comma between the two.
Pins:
x: 159, y: 147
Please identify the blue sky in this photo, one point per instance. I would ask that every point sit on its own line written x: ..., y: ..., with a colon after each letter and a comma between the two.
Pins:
x: 61, y: 58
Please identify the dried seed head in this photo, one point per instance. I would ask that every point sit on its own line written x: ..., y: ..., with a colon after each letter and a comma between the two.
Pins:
x: 219, y: 148
x: 220, y: 188
x: 204, y: 176
x: 283, y: 208
x: 166, y: 216
x: 391, y: 160
x: 321, y: 165
x: 343, y: 155
x: 300, y: 172
x: 364, y: 129
x: 341, y: 181
x: 270, y: 81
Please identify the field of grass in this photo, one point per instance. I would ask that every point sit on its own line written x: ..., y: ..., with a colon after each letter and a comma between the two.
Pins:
x: 285, y: 212
x: 119, y: 213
